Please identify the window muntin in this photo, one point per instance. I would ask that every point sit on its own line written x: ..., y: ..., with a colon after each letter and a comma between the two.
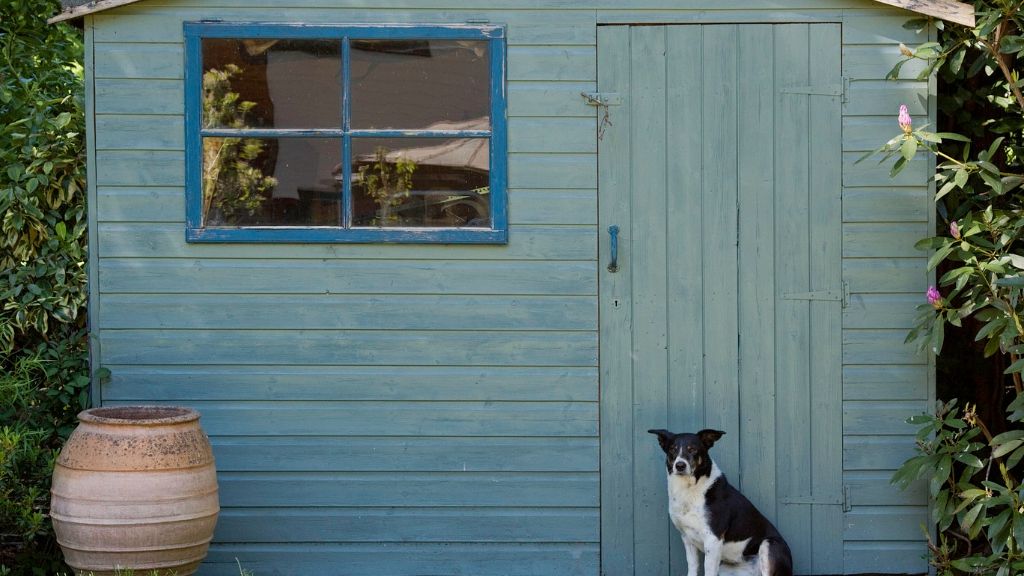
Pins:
x: 345, y: 133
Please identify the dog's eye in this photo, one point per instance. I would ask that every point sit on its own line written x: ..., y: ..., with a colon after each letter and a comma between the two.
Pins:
x: 691, y: 449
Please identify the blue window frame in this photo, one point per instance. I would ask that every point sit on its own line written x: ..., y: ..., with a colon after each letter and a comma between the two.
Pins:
x: 239, y: 164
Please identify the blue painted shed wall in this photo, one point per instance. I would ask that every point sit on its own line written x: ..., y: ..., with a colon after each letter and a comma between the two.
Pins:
x: 430, y: 408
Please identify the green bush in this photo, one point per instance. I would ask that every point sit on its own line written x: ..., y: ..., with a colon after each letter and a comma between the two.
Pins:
x: 43, y: 355
x: 973, y: 464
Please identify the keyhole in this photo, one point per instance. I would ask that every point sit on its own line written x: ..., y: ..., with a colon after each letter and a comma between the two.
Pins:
x: 615, y: 302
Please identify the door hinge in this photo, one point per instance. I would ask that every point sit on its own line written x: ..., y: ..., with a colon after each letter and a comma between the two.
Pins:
x: 601, y: 98
x: 842, y: 499
x: 841, y: 295
x: 821, y: 89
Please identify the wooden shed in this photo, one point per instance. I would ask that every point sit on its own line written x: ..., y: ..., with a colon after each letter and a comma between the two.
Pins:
x: 431, y: 268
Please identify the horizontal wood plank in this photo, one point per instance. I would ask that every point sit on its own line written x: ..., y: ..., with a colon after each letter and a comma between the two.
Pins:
x: 876, y: 418
x: 140, y: 168
x: 151, y: 23
x: 349, y: 312
x: 887, y: 557
x: 312, y: 276
x: 149, y: 61
x: 140, y: 204
x: 140, y: 96
x: 875, y: 275
x: 549, y: 99
x: 554, y: 135
x: 879, y: 453
x: 385, y: 525
x: 884, y: 97
x: 423, y: 454
x: 332, y: 383
x: 869, y: 133
x: 874, y: 62
x: 885, y: 239
x: 405, y: 559
x: 881, y: 311
x: 881, y: 28
x: 552, y: 63
x: 553, y: 206
x: 879, y: 347
x: 359, y: 347
x: 552, y: 170
x: 887, y: 204
x: 874, y: 488
x: 885, y: 382
x: 884, y: 523
x: 547, y: 242
x: 414, y: 489
x: 871, y: 174
x: 397, y: 418
x: 139, y: 132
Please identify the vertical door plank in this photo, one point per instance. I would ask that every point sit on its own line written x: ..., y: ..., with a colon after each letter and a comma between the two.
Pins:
x: 792, y: 405
x: 684, y: 59
x: 616, y: 341
x: 650, y: 336
x: 825, y: 202
x: 721, y: 391
x: 756, y: 114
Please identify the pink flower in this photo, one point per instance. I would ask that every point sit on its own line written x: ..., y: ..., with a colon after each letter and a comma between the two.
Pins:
x: 905, y: 121
x: 934, y: 298
x: 954, y: 230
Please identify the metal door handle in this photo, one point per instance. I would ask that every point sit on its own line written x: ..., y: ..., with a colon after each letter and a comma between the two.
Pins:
x: 613, y: 232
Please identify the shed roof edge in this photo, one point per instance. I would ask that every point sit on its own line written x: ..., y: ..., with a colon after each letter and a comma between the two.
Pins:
x: 950, y: 10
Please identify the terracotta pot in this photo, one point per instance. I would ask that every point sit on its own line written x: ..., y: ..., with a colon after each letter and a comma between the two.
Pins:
x: 135, y: 487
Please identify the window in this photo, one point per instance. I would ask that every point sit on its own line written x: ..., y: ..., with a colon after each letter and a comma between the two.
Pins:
x: 360, y: 133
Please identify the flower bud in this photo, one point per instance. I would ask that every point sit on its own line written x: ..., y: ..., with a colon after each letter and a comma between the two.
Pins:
x: 906, y: 51
x: 954, y: 230
x: 904, y: 119
x: 934, y: 297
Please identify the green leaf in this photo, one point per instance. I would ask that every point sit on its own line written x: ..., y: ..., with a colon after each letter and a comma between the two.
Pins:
x: 969, y: 459
x: 1007, y: 436
x: 916, y: 24
x: 957, y: 61
x: 909, y: 149
x: 952, y: 136
x: 941, y: 475
x: 1011, y: 44
x: 1017, y: 366
x: 960, y: 178
x: 1004, y: 449
x: 939, y: 256
x: 967, y: 523
x: 901, y: 163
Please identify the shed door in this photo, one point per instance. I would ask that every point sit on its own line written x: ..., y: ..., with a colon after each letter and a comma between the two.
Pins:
x: 720, y: 162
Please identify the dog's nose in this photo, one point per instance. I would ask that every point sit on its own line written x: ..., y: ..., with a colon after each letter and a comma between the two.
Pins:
x: 680, y: 466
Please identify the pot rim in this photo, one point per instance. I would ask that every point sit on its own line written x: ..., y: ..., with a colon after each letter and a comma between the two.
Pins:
x: 139, y: 415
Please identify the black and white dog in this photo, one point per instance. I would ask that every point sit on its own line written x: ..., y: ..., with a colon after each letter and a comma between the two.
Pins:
x: 713, y: 517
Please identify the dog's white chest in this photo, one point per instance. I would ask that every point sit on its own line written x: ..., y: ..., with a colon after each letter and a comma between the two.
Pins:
x: 686, y: 508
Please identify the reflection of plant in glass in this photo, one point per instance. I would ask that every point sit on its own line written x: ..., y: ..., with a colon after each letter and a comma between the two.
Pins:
x: 387, y: 183
x: 231, y: 184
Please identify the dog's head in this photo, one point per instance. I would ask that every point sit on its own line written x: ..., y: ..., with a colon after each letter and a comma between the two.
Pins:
x: 687, y: 454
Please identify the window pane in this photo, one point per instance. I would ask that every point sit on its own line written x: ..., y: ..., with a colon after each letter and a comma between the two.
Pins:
x: 271, y: 182
x: 421, y: 182
x: 268, y: 83
x: 416, y: 84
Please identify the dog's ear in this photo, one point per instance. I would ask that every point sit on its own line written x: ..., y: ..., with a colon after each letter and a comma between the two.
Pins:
x: 665, y: 438
x: 709, y: 437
